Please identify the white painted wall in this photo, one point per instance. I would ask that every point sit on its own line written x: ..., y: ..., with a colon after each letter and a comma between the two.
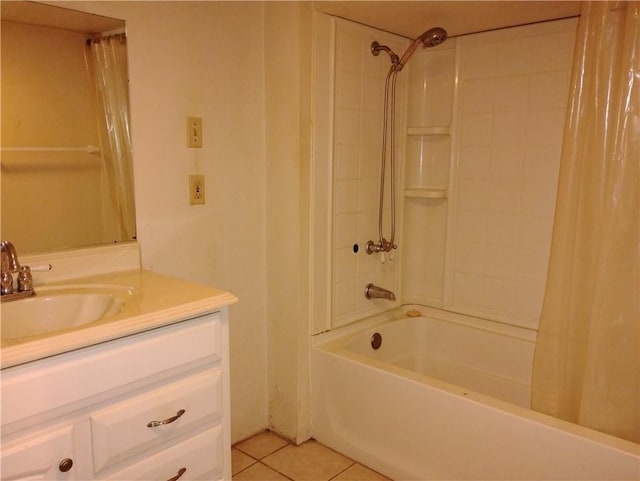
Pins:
x: 288, y: 45
x: 204, y: 59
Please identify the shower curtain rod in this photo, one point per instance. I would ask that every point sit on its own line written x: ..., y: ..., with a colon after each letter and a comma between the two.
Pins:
x: 89, y: 149
x: 118, y: 33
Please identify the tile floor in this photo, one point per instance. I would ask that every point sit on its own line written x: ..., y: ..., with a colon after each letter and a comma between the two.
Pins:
x: 268, y: 457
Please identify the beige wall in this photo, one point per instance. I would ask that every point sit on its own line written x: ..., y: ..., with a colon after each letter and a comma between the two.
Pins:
x: 244, y: 67
x: 288, y: 36
x: 204, y: 59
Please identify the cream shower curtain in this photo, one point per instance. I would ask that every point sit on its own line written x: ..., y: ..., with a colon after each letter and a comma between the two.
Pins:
x: 107, y: 64
x: 587, y: 359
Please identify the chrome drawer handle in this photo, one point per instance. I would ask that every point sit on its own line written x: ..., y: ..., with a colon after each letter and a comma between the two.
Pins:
x: 153, y: 424
x: 179, y: 475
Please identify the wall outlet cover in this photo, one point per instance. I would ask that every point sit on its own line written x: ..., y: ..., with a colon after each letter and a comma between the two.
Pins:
x: 196, y: 189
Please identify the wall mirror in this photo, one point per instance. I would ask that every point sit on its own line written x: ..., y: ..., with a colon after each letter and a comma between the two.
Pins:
x: 66, y: 166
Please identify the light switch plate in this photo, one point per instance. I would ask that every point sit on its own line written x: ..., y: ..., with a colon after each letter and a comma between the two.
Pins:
x: 194, y: 132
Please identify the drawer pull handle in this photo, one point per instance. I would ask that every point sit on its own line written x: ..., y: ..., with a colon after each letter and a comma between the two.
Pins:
x: 153, y: 424
x: 65, y: 465
x: 179, y: 475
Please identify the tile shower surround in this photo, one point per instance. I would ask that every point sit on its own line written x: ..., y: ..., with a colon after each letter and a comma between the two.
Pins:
x: 359, y: 94
x: 495, y: 222
x: 512, y: 104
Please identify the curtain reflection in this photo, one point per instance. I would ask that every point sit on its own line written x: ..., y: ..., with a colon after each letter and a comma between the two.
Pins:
x: 107, y: 65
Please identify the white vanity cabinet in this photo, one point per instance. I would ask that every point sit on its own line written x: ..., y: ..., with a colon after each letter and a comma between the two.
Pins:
x: 153, y: 405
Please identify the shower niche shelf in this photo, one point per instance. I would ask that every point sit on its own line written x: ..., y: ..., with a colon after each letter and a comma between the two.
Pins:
x: 426, y: 192
x: 428, y: 152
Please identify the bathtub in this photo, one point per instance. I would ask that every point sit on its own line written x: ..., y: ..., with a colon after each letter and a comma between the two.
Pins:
x: 446, y: 397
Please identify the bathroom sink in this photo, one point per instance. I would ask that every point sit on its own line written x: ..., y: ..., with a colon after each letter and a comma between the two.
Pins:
x: 55, y: 309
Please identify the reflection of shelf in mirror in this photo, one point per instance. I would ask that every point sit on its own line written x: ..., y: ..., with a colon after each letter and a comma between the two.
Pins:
x: 426, y: 192
x: 89, y: 149
x: 428, y: 130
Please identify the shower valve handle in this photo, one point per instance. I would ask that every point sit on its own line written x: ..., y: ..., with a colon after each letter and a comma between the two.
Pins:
x: 382, y: 246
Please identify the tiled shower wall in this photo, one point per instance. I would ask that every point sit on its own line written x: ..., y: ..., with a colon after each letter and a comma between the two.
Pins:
x: 359, y: 94
x: 513, y: 92
x: 478, y: 209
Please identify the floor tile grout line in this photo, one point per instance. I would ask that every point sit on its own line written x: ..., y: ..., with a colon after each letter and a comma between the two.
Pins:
x: 266, y: 466
x: 277, y: 471
x: 244, y: 469
x: 293, y: 479
x: 353, y: 463
x: 272, y: 453
x: 253, y: 456
x: 247, y: 454
x: 260, y: 460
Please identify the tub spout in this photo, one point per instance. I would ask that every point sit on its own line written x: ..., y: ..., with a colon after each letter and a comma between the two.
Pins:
x: 374, y: 292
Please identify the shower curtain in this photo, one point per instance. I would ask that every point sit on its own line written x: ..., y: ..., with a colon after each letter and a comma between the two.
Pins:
x: 587, y: 359
x: 107, y: 65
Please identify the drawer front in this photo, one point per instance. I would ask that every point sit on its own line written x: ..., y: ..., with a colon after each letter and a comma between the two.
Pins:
x: 122, y: 430
x: 72, y: 377
x: 199, y: 457
x: 39, y: 456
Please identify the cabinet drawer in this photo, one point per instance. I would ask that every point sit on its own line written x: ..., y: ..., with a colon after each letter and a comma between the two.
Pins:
x: 72, y: 377
x: 39, y: 456
x: 122, y: 430
x: 201, y: 457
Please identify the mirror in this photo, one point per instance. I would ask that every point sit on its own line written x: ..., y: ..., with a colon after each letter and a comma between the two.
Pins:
x: 66, y: 178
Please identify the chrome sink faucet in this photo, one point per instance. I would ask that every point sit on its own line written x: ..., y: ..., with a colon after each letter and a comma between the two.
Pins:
x: 375, y: 292
x: 10, y: 266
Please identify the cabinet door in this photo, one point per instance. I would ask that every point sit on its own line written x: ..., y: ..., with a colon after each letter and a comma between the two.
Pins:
x: 199, y: 457
x: 48, y: 455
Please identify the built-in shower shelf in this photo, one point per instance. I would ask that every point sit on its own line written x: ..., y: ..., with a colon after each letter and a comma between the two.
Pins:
x: 426, y: 192
x: 441, y: 130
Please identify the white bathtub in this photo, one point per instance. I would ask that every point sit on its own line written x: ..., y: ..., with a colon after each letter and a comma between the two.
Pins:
x: 446, y: 397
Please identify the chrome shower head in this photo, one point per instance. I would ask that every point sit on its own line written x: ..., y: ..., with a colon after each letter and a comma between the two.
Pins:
x: 433, y: 37
x: 430, y: 38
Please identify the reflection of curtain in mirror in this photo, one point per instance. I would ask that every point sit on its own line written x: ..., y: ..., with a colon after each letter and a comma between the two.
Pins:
x: 587, y: 360
x: 107, y: 64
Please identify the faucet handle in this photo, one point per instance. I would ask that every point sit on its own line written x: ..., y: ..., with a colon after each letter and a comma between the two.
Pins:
x: 25, y: 280
x: 41, y: 267
x: 4, y: 259
x: 6, y: 282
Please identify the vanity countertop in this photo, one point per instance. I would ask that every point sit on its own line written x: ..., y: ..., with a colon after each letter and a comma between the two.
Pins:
x: 155, y: 300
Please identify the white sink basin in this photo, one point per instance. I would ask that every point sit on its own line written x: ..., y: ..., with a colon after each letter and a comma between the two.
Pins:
x: 55, y: 309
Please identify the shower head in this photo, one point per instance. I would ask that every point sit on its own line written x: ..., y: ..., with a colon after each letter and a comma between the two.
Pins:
x: 433, y: 37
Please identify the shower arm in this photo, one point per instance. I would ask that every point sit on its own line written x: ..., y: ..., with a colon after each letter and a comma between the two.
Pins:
x: 376, y: 47
x: 397, y: 62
